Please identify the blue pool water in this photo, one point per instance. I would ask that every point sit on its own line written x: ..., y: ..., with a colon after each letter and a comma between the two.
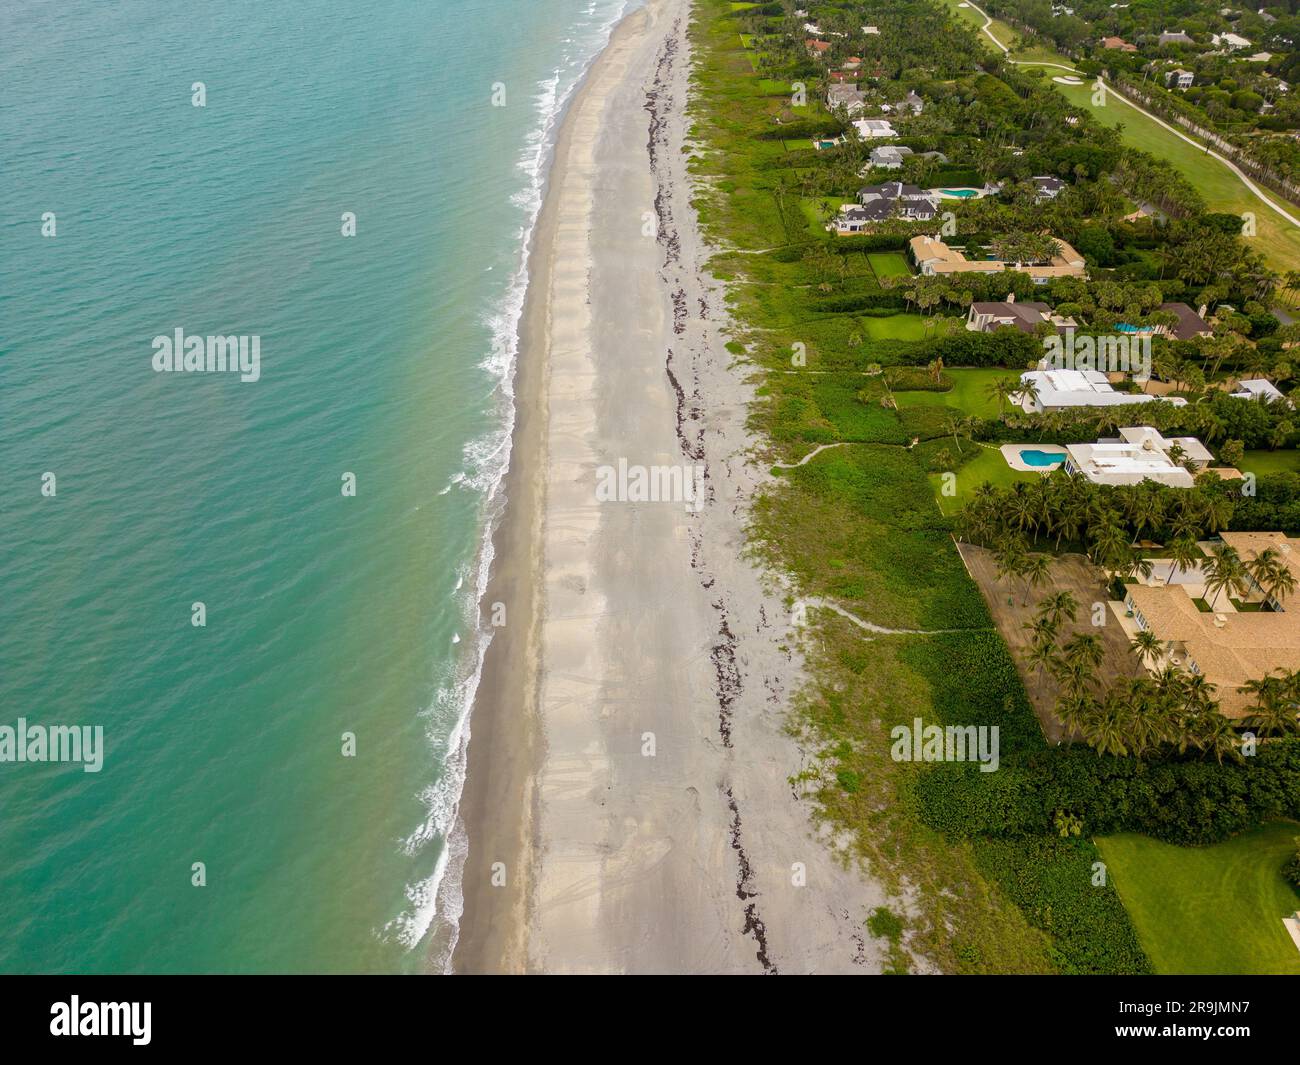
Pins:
x: 1042, y: 458
x: 961, y: 194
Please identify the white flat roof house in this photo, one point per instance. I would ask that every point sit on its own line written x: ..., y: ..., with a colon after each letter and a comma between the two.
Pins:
x: 1058, y: 389
x: 1229, y: 40
x: 874, y: 127
x: 1140, y: 454
x: 1257, y: 388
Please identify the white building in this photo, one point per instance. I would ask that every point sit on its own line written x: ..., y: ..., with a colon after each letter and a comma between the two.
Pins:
x: 1257, y: 388
x: 1140, y: 454
x: 1231, y: 41
x: 1181, y: 79
x: 1058, y: 389
x: 869, y: 128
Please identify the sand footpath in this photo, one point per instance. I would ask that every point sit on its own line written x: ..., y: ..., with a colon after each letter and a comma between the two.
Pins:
x: 628, y: 767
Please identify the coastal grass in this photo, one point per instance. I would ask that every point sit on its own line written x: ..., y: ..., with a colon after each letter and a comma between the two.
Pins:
x: 1214, y: 909
x: 858, y: 526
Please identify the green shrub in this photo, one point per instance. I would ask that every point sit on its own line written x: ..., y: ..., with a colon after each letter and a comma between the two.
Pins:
x: 885, y: 924
x: 1292, y: 868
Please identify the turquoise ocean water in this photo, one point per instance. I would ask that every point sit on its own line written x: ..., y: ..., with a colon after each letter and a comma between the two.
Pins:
x: 385, y: 355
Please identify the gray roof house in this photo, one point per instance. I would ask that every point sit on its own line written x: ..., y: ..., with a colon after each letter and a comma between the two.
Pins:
x: 846, y: 95
x: 1026, y: 316
x: 1046, y: 187
x: 893, y: 197
x: 890, y: 157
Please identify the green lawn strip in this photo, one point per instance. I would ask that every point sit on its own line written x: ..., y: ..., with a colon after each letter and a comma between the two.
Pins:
x: 1215, y: 909
x: 889, y: 264
x: 1262, y: 463
x: 969, y: 393
x: 988, y: 467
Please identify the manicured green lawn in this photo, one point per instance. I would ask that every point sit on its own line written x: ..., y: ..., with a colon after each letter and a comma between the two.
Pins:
x: 988, y: 465
x: 889, y: 263
x: 898, y: 327
x: 1284, y: 460
x: 1209, y: 909
x: 969, y: 392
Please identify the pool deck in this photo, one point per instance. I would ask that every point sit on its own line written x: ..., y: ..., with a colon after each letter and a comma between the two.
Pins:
x: 1011, y: 452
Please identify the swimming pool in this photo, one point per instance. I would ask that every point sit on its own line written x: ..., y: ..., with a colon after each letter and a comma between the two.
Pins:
x: 961, y: 194
x: 1041, y: 459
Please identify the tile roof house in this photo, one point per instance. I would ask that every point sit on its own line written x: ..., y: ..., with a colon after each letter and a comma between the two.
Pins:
x: 933, y: 256
x: 1227, y: 647
x: 1230, y: 41
x: 1118, y: 42
x: 1175, y: 37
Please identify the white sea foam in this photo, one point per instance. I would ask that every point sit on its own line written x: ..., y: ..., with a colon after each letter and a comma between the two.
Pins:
x: 487, y: 461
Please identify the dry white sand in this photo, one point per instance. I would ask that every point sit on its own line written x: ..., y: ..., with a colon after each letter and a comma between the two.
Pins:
x: 648, y: 626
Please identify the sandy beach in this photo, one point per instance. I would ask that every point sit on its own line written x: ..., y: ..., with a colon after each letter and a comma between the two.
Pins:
x: 628, y: 802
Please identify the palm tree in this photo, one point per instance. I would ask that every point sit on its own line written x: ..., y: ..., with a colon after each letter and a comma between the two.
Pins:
x: 1074, y: 707
x: 1147, y: 646
x: 1270, y: 571
x: 1183, y: 554
x: 1108, y: 541
x: 1037, y: 570
x: 1058, y: 606
x: 1081, y: 655
x: 1009, y: 558
x: 956, y: 423
x: 1026, y: 391
x: 1002, y: 390
x: 1224, y: 571
x: 1275, y: 711
x: 1213, y: 734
